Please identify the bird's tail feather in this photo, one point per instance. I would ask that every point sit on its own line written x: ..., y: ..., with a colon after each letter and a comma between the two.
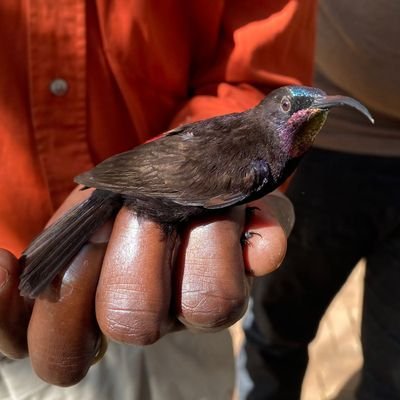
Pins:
x: 54, y: 249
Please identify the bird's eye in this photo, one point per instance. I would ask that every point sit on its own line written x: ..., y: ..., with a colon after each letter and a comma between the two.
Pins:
x: 286, y: 104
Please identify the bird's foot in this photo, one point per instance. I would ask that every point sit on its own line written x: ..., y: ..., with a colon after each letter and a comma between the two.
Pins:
x: 247, y: 235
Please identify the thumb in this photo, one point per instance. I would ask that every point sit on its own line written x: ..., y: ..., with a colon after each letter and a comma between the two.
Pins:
x: 269, y: 225
x: 75, y: 197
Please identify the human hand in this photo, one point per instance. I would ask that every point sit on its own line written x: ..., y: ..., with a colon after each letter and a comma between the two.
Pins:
x: 14, y: 309
x: 132, y: 291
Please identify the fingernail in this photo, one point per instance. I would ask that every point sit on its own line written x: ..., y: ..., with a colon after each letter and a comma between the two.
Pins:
x: 101, y: 348
x: 282, y: 209
x: 3, y: 277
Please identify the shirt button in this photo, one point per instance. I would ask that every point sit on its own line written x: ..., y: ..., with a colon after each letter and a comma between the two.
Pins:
x: 59, y: 87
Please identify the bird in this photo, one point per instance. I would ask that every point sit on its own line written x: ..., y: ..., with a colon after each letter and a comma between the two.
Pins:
x: 193, y: 170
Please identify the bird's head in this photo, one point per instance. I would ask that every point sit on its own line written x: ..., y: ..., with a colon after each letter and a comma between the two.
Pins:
x: 297, y: 113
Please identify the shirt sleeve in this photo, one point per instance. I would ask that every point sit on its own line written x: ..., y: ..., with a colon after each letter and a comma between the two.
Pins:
x: 261, y: 45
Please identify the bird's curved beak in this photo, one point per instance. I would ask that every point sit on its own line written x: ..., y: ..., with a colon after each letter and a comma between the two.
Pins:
x: 328, y: 102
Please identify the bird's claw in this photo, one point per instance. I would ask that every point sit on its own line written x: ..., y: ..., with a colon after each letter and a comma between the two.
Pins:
x: 245, y: 239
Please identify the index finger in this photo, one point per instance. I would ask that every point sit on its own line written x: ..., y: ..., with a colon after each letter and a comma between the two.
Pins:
x: 134, y: 291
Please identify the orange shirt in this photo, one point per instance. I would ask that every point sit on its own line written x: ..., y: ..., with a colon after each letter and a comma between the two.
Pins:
x: 82, y: 80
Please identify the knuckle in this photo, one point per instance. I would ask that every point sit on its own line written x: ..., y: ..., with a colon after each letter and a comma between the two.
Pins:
x: 135, y: 327
x: 210, y: 310
x: 132, y: 317
x: 14, y: 352
x: 65, y: 371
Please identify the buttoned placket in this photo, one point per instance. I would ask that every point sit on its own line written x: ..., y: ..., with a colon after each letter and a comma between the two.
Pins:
x: 57, y: 69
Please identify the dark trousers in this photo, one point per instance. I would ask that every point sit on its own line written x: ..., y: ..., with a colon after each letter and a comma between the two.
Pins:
x: 347, y: 207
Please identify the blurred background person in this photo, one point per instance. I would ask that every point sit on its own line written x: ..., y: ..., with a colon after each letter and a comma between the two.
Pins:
x: 346, y: 195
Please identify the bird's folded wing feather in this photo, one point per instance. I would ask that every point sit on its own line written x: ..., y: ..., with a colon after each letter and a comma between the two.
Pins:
x: 185, y: 168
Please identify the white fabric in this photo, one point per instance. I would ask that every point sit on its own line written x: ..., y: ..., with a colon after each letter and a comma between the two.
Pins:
x: 182, y: 365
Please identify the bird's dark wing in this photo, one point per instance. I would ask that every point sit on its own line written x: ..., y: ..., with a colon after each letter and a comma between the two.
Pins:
x: 175, y: 131
x: 189, y: 167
